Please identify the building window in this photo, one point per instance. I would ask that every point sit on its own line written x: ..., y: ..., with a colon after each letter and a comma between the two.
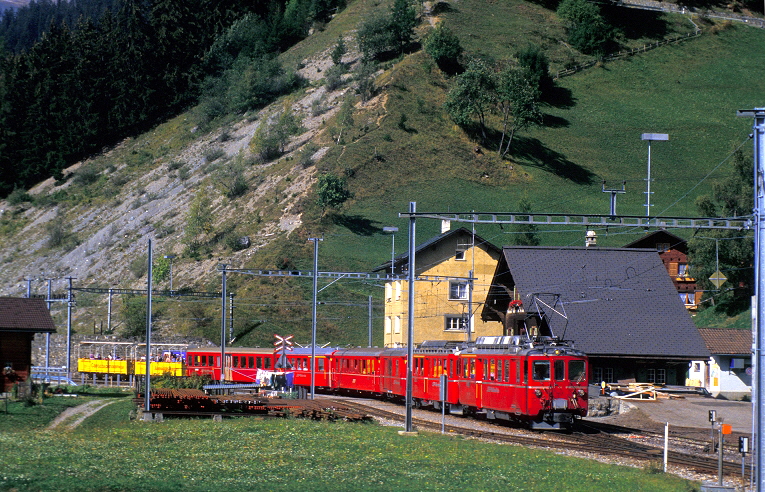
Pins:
x: 459, y: 254
x: 657, y: 376
x: 682, y: 270
x: 458, y: 290
x: 688, y: 298
x: 662, y: 247
x: 398, y: 290
x: 397, y: 325
x: 603, y: 374
x: 388, y: 292
x: 456, y: 323
x: 387, y: 325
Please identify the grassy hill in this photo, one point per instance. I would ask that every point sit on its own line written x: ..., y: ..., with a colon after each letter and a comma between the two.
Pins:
x: 402, y: 147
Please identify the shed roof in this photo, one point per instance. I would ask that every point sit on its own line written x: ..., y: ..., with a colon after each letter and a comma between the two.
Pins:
x: 661, y: 236
x: 727, y: 342
x: 19, y: 314
x: 618, y: 301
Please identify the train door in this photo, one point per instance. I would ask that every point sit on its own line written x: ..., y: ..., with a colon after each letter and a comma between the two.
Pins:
x: 519, y: 383
x: 467, y: 379
x: 387, y: 374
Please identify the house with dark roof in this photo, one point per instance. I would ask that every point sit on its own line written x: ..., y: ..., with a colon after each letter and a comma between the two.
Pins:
x: 446, y: 304
x: 727, y: 372
x: 617, y: 304
x: 673, y: 251
x: 20, y: 319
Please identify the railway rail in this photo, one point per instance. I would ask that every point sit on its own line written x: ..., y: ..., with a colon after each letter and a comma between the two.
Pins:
x: 589, y: 440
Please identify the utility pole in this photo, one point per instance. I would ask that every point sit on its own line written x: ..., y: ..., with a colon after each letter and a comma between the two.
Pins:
x: 614, y: 192
x: 147, y: 401
x: 369, y: 307
x: 410, y: 321
x: 758, y: 391
x: 69, y: 304
x: 315, y: 241
x: 651, y: 137
x: 222, y: 268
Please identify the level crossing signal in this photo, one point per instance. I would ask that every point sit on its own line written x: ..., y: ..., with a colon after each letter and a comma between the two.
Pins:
x: 282, y: 343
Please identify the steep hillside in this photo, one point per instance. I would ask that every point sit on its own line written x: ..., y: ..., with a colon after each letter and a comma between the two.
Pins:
x: 401, y: 147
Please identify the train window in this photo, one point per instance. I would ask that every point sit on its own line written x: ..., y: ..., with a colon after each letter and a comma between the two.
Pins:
x: 217, y: 361
x: 236, y: 361
x: 541, y: 371
x: 268, y: 362
x: 576, y: 371
x: 492, y: 369
x: 320, y: 364
x: 260, y: 363
x: 472, y: 368
x: 559, y: 367
x: 499, y: 370
x: 525, y: 372
x: 507, y: 371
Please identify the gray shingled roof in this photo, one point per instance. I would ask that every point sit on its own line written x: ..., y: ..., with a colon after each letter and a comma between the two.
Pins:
x: 618, y: 301
x: 25, y: 315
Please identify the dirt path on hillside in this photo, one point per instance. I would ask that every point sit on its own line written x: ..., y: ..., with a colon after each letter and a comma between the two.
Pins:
x: 74, y: 416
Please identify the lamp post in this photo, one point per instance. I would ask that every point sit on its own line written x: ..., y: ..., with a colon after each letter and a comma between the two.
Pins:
x: 393, y: 230
x: 171, y: 258
x: 651, y: 137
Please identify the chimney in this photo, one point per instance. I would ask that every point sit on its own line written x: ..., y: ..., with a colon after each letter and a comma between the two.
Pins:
x: 445, y: 226
x: 590, y: 239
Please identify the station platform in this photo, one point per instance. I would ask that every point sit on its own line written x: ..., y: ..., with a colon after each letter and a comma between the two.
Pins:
x: 692, y: 410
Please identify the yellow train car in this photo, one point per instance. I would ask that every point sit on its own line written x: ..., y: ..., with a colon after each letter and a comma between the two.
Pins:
x: 159, y: 368
x: 105, y: 366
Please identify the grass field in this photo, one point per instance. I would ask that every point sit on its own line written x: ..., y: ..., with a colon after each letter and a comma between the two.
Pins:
x: 109, y: 453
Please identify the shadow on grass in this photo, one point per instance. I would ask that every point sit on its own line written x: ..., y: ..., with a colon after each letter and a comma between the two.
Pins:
x: 559, y: 97
x: 531, y: 152
x: 639, y: 24
x: 357, y: 224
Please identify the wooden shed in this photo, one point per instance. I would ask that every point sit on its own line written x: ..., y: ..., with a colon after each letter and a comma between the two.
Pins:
x: 20, y: 319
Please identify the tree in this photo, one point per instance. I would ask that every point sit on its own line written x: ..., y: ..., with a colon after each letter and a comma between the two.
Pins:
x: 526, y: 234
x: 471, y: 96
x: 345, y: 117
x: 588, y: 31
x: 338, y: 51
x: 729, y: 198
x: 518, y: 104
x: 536, y: 63
x: 403, y: 19
x: 444, y: 47
x: 332, y: 191
x: 374, y: 37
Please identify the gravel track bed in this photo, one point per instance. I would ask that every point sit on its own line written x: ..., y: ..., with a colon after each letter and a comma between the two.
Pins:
x: 683, y: 444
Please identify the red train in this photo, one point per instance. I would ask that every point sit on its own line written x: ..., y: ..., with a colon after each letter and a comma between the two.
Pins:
x: 541, y: 382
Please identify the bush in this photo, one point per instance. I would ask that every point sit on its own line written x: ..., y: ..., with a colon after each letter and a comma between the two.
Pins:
x: 333, y: 78
x: 444, y: 47
x: 19, y: 196
x: 85, y: 175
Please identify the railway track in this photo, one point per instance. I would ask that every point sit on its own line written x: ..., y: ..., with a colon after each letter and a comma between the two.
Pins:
x: 593, y: 440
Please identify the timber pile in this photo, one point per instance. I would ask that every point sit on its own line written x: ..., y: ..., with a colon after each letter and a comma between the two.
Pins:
x: 191, y: 402
x: 631, y: 390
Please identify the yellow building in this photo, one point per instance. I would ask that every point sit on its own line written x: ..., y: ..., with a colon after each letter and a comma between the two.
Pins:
x: 443, y: 302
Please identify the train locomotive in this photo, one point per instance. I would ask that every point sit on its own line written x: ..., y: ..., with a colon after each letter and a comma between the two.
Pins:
x: 537, y: 381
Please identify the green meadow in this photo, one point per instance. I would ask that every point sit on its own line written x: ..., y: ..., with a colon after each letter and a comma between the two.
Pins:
x: 110, y: 452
